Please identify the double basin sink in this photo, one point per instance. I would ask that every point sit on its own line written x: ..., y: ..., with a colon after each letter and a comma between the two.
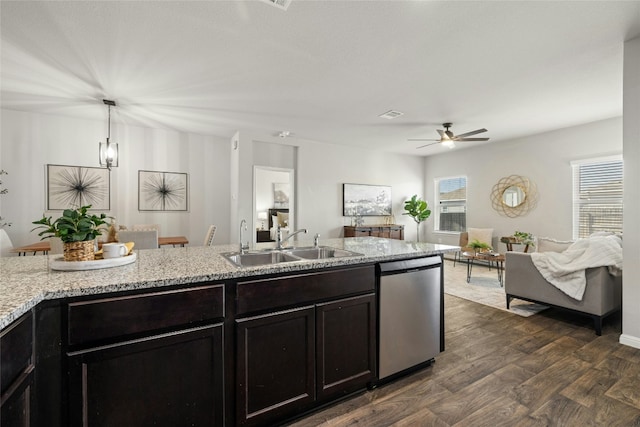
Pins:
x: 275, y: 256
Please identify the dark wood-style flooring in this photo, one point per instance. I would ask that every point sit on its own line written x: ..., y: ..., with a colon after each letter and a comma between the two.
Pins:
x: 500, y: 369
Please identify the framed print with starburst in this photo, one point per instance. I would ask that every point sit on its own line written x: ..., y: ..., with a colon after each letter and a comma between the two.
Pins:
x: 76, y: 186
x: 162, y: 191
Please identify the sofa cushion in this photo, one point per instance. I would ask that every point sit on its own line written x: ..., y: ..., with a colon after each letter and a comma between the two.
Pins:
x: 546, y: 244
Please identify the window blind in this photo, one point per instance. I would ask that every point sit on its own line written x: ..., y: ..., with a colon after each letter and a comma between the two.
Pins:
x: 597, y: 196
x: 451, y: 203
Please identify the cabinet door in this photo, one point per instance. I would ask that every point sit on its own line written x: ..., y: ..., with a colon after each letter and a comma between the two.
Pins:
x: 275, y: 365
x: 166, y: 380
x: 16, y: 372
x: 346, y: 345
x: 384, y: 232
x: 396, y: 233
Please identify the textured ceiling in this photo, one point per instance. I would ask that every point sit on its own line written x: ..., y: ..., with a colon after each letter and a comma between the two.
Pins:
x: 323, y: 70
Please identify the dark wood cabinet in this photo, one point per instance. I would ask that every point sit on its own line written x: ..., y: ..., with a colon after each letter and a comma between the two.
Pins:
x: 152, y: 358
x: 16, y: 373
x: 346, y: 346
x: 166, y: 380
x: 391, y: 231
x: 275, y: 366
x: 290, y: 360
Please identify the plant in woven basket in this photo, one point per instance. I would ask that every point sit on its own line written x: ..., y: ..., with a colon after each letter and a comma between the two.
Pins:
x: 77, y: 228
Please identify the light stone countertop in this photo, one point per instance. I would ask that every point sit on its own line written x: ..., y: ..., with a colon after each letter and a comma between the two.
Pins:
x: 26, y: 281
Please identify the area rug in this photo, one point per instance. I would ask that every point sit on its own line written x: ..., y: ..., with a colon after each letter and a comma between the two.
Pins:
x: 483, y: 288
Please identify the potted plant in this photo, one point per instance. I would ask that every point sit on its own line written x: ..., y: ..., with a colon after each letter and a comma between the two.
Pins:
x: 479, y: 246
x: 77, y: 228
x: 524, y: 238
x: 418, y: 210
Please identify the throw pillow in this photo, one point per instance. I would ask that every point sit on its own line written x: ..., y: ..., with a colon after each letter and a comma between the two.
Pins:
x: 546, y: 244
x: 283, y: 219
x: 482, y: 235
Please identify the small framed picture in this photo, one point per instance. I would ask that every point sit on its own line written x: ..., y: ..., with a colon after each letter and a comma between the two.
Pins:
x: 70, y: 187
x: 162, y: 191
x: 281, y: 195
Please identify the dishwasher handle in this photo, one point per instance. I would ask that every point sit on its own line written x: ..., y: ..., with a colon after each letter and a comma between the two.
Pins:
x: 407, y: 265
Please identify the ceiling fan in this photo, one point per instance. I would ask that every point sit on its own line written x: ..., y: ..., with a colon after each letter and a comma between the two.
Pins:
x: 447, y: 138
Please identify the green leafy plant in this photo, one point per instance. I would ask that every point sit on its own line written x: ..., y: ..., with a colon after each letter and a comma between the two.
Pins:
x: 525, y: 238
x: 75, y: 225
x: 417, y: 209
x: 479, y: 246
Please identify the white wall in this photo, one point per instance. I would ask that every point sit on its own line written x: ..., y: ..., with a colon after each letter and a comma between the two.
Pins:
x: 631, y: 275
x: 31, y: 141
x: 544, y: 159
x: 322, y: 169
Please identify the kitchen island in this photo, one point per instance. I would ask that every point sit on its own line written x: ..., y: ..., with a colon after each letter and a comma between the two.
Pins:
x: 201, y: 327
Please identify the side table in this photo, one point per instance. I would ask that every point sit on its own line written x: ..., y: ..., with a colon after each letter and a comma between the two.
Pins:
x: 263, y: 236
x: 510, y: 241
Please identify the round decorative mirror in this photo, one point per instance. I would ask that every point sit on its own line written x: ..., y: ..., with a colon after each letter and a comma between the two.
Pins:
x: 513, y: 196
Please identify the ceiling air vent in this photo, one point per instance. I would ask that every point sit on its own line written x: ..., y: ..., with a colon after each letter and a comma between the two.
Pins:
x: 280, y: 4
x: 391, y: 114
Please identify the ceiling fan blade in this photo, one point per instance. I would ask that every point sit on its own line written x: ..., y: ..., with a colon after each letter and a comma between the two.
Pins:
x: 422, y: 139
x: 472, y: 139
x: 473, y: 132
x: 441, y: 132
x: 426, y: 145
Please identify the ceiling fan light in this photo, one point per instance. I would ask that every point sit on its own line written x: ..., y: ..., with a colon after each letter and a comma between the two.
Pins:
x: 448, y: 143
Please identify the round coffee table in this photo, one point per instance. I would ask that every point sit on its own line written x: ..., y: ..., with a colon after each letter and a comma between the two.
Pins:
x: 490, y: 257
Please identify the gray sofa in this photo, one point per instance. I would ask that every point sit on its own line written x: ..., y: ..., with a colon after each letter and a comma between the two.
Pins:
x: 602, y: 297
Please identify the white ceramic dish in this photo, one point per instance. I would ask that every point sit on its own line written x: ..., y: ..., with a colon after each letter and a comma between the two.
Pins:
x: 60, y: 264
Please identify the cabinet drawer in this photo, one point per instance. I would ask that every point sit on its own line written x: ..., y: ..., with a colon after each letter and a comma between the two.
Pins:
x: 267, y: 294
x: 92, y: 321
x: 16, y: 346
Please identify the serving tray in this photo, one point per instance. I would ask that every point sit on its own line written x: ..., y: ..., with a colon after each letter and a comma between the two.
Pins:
x: 60, y: 264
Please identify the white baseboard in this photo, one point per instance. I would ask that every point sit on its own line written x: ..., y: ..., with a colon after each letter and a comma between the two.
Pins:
x: 630, y: 340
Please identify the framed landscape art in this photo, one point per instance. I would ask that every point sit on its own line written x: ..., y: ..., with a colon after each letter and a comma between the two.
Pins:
x: 366, y: 200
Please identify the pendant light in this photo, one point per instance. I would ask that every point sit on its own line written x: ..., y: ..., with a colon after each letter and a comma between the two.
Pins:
x: 109, y: 150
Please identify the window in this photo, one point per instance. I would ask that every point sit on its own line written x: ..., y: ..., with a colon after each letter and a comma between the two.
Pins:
x: 451, y: 204
x: 597, y: 196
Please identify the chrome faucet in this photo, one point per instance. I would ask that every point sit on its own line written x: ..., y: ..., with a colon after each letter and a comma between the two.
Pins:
x: 243, y: 247
x: 280, y: 240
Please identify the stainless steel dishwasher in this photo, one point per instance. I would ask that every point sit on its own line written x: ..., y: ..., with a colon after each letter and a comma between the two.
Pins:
x: 410, y: 314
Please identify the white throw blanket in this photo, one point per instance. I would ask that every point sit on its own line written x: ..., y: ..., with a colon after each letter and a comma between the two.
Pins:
x: 566, y: 270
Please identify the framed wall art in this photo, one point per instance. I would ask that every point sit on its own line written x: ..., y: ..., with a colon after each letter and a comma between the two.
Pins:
x: 366, y: 200
x: 281, y: 195
x: 162, y: 191
x: 76, y: 186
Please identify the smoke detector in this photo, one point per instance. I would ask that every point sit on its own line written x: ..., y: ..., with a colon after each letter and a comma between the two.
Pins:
x: 280, y: 4
x: 284, y: 134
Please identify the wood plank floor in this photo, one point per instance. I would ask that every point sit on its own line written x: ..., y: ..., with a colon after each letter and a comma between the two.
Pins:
x: 500, y: 369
